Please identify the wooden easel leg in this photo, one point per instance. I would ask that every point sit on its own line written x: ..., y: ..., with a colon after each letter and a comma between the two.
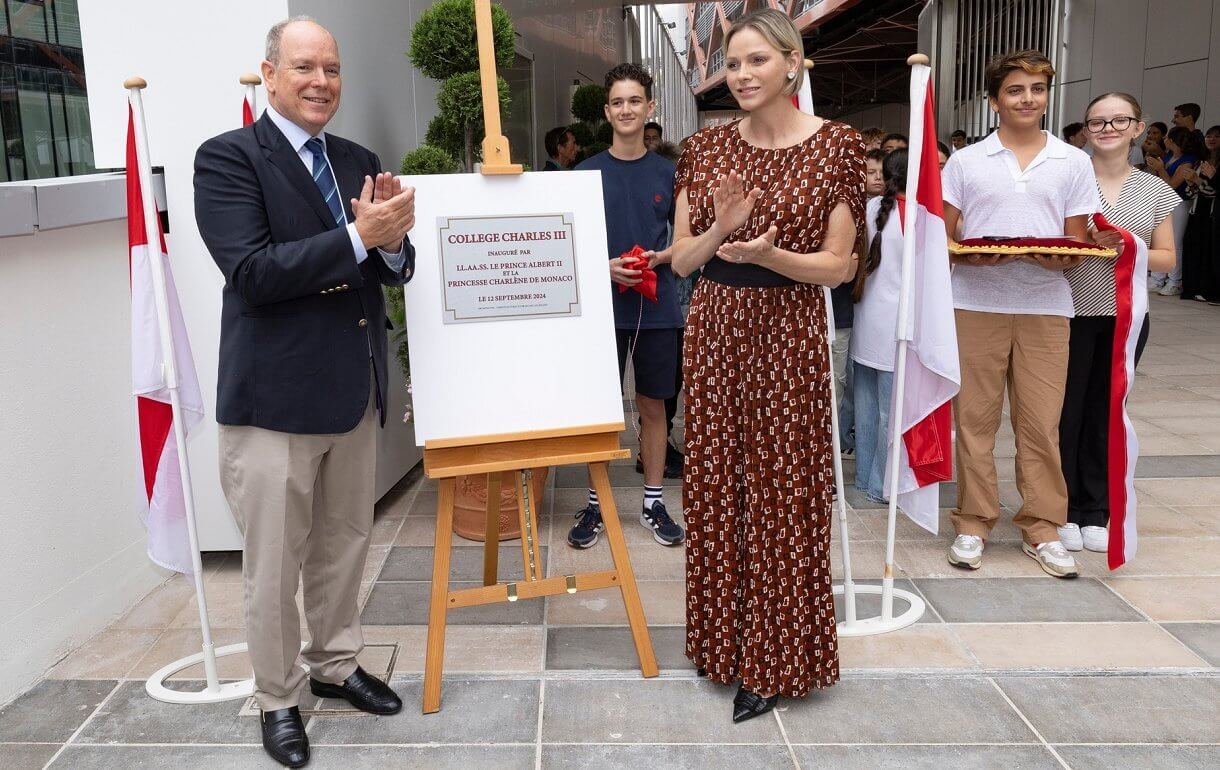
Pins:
x: 491, y: 533
x: 600, y: 475
x: 529, y: 526
x: 434, y: 659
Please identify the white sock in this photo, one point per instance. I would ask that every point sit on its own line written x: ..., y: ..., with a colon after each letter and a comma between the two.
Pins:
x: 651, y: 495
x: 593, y: 499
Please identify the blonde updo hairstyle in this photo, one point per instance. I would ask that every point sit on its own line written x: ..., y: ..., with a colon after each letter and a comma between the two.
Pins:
x: 777, y: 29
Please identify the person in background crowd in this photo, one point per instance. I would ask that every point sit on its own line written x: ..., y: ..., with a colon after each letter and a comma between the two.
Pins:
x: 1187, y: 115
x: 561, y: 148
x: 1012, y: 313
x: 943, y: 152
x: 892, y: 142
x: 1185, y: 148
x: 1154, y: 140
x: 957, y: 140
x: 872, y: 346
x: 1143, y: 205
x: 1199, y: 249
x: 759, y: 479
x: 652, y: 135
x: 637, y: 190
x: 874, y: 182
x: 872, y: 138
x: 1073, y: 134
x: 668, y: 150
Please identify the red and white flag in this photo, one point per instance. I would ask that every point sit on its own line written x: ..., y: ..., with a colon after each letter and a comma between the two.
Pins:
x: 932, y: 374
x: 1131, y: 302
x: 165, y: 519
x: 247, y: 107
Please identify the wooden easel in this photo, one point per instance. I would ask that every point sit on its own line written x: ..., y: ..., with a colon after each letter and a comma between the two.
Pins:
x: 519, y: 455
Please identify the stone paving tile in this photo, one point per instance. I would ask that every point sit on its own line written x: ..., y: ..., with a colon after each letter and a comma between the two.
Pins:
x: 1119, y: 709
x: 1172, y: 598
x: 404, y: 604
x: 1161, y: 757
x: 635, y: 711
x: 109, y: 655
x: 414, y: 563
x: 130, y: 716
x: 921, y: 646
x: 925, y: 757
x: 1201, y: 491
x: 240, y: 757
x: 159, y: 608
x: 1010, y: 600
x: 499, y: 711
x: 175, y: 644
x: 927, y: 559
x: 1173, y: 556
x: 869, y: 605
x: 1151, y: 467
x: 52, y: 710
x: 664, y: 605
x: 26, y: 756
x: 1202, y: 638
x: 713, y: 757
x: 584, y: 648
x: 1079, y: 646
x: 621, y: 475
x: 933, y: 710
x: 508, y: 649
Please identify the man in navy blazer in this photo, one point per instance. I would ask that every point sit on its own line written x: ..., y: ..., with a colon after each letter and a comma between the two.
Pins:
x: 306, y: 230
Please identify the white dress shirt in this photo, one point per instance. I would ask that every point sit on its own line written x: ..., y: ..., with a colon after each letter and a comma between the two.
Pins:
x: 297, y: 137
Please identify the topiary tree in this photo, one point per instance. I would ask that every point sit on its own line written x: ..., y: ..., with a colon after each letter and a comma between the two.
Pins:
x: 444, y: 46
x: 461, y: 106
x: 584, y: 134
x: 605, y: 134
x: 587, y: 104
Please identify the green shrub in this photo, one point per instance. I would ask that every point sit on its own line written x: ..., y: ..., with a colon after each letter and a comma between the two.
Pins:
x: 588, y: 102
x: 427, y: 159
x: 444, y: 42
x: 605, y: 133
x: 584, y: 134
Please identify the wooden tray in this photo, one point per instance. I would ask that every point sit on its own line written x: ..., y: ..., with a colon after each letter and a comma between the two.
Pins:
x: 1015, y: 247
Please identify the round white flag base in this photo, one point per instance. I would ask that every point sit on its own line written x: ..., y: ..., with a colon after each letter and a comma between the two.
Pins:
x: 880, y: 624
x: 222, y: 692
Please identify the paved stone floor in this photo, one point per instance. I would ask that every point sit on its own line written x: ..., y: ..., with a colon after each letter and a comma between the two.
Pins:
x: 1008, y: 668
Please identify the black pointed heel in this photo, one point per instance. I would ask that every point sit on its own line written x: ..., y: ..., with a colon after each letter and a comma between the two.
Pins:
x: 748, y: 705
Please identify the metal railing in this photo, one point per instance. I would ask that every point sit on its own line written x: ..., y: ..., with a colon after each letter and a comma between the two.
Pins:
x: 671, y: 83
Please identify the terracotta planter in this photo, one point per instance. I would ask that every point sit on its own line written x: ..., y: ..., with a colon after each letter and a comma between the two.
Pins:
x: 470, y: 506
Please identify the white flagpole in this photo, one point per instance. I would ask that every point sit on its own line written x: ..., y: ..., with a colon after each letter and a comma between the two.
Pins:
x: 251, y: 82
x: 902, y: 334
x: 152, y: 228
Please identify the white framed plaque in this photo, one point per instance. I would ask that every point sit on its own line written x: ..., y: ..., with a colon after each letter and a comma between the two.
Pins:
x: 496, y: 268
x: 490, y: 359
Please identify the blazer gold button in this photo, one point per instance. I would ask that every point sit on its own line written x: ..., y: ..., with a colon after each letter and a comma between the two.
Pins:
x: 362, y: 323
x: 344, y: 287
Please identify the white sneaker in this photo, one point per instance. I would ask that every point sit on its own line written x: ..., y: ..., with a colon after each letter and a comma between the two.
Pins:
x: 1096, y: 538
x: 1170, y: 290
x: 1053, y: 558
x: 1154, y: 285
x: 1069, y: 535
x: 966, y: 551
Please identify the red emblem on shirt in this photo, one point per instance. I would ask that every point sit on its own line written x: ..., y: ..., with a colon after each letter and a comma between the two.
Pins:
x: 656, y: 198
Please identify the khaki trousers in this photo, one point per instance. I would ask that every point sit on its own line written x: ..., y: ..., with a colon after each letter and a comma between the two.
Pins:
x: 1029, y: 353
x: 304, y: 504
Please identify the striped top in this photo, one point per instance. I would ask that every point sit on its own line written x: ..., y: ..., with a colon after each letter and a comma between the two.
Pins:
x: 1143, y: 204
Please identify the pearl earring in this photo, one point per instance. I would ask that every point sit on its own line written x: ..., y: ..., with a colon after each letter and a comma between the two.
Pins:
x: 792, y: 76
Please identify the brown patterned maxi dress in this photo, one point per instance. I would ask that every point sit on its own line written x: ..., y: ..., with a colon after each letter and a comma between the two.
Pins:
x: 759, y: 476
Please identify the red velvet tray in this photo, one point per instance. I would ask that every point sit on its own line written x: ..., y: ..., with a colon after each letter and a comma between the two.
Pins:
x: 1061, y: 246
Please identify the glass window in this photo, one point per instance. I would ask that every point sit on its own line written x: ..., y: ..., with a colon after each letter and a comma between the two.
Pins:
x: 10, y: 123
x: 36, y: 137
x: 518, y: 124
x: 28, y: 19
x: 80, y: 138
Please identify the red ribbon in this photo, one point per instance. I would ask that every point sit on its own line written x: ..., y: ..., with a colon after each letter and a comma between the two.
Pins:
x: 635, y: 260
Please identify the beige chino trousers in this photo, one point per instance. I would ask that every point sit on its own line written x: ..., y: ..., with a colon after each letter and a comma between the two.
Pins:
x: 304, y: 503
x: 1029, y: 354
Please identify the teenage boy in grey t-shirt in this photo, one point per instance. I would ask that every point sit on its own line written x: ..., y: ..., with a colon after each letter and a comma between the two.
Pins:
x: 1012, y: 313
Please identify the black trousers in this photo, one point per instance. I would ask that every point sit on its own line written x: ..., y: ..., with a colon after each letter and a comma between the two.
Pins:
x: 671, y: 404
x: 1084, y: 425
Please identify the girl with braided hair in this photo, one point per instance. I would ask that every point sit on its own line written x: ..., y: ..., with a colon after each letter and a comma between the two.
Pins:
x: 872, y: 344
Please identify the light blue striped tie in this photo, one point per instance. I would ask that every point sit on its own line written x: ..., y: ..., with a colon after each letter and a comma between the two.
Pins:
x: 325, y: 180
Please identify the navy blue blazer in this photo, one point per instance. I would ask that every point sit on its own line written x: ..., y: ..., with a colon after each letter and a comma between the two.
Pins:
x: 299, y: 315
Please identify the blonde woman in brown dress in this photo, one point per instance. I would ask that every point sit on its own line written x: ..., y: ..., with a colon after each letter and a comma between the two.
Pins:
x: 770, y: 208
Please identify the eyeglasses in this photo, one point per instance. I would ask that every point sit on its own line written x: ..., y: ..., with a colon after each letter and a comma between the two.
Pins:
x: 1121, y: 123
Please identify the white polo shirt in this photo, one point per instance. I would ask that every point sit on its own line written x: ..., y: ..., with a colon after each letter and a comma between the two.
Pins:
x: 996, y: 197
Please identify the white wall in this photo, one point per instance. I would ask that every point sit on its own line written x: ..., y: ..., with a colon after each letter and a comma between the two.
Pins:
x: 1162, y: 53
x: 894, y: 118
x: 72, y: 547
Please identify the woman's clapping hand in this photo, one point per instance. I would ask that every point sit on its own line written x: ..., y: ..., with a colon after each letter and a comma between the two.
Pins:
x: 732, y: 204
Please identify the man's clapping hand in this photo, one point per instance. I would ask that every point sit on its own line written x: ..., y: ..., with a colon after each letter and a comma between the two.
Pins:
x: 385, y: 212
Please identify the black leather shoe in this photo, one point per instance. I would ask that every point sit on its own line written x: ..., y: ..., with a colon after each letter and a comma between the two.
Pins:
x: 284, y: 737
x: 365, y: 692
x: 748, y: 705
x: 701, y: 672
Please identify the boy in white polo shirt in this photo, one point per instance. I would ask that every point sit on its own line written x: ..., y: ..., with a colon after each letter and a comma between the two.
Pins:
x: 1012, y: 313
